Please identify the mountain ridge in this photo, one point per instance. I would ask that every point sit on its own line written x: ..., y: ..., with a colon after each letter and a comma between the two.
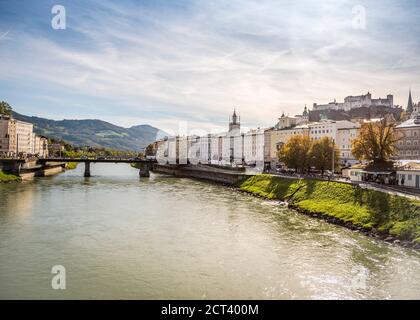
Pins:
x: 94, y: 132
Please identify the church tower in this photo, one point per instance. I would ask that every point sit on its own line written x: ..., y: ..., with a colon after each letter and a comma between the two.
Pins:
x: 410, y: 103
x: 305, y: 114
x: 234, y: 122
x: 416, y: 110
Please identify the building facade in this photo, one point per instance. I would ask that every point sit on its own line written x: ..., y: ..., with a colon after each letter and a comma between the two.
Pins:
x: 8, y: 138
x: 17, y: 138
x: 342, y: 134
x: 40, y: 146
x: 253, y: 148
x: 413, y: 110
x: 409, y: 175
x: 408, y: 147
x: 24, y: 133
x: 279, y: 137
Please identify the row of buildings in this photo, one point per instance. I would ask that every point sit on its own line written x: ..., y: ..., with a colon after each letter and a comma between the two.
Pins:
x: 18, y: 139
x: 259, y: 147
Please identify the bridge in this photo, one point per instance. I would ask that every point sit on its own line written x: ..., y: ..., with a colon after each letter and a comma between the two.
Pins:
x: 144, y: 165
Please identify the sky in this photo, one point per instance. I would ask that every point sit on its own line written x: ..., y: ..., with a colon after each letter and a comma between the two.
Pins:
x: 165, y: 62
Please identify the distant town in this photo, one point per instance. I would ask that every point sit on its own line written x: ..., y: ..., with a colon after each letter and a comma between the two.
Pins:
x: 337, y: 123
x: 259, y: 148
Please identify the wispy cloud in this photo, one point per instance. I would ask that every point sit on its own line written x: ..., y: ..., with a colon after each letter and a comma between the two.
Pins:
x: 163, y: 62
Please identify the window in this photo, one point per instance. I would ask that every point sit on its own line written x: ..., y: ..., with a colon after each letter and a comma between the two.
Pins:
x: 409, y: 177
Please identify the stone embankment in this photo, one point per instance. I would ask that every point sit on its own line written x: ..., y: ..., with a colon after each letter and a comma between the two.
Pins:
x: 26, y: 169
x: 203, y: 172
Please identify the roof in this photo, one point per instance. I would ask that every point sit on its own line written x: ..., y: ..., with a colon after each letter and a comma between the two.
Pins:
x: 410, y: 166
x: 362, y: 169
x: 340, y: 124
x: 358, y: 166
x: 409, y: 124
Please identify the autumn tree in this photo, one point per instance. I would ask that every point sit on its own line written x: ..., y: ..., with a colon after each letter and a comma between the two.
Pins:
x: 150, y: 149
x: 295, y: 153
x: 376, y: 142
x: 321, y: 155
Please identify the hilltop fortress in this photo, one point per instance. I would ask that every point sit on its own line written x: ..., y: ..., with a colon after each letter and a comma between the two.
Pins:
x: 353, y: 102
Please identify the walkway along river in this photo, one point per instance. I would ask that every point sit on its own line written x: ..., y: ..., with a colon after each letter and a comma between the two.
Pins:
x: 119, y: 236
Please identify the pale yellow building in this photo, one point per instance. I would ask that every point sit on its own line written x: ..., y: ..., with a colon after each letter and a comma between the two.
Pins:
x: 7, y: 136
x: 40, y: 146
x: 279, y: 137
x: 17, y: 138
x: 24, y: 134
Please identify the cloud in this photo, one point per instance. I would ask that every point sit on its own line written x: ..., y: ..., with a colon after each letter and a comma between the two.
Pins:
x: 163, y: 62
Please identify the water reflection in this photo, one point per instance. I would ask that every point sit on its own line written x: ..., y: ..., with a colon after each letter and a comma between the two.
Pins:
x: 123, y: 237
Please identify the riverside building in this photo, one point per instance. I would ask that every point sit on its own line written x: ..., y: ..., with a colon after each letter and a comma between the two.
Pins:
x: 408, y: 147
x: 230, y: 148
x: 17, y: 138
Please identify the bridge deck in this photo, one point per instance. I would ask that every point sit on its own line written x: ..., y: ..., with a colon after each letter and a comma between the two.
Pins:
x: 97, y: 160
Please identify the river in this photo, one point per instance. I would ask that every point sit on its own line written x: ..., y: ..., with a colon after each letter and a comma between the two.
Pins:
x: 119, y: 236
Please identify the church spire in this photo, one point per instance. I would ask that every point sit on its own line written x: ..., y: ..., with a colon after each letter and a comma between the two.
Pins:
x: 410, y: 103
x: 305, y: 111
x: 235, y: 123
x: 234, y: 117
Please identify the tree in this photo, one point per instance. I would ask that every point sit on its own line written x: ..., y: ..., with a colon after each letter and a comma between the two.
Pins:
x: 5, y: 108
x: 376, y: 142
x: 295, y: 153
x: 322, y: 154
x: 151, y: 150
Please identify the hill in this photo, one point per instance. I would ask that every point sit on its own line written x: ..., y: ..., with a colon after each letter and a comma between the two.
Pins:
x: 95, y: 133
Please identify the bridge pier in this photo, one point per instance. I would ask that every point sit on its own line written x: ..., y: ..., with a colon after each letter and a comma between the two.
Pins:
x: 87, y: 169
x: 144, y: 171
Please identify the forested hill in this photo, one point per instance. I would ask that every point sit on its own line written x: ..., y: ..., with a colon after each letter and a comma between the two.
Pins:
x: 95, y: 133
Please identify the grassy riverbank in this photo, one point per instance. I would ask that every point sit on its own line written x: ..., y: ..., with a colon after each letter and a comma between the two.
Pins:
x: 373, y: 211
x: 7, y: 177
x: 135, y: 165
x: 71, y: 165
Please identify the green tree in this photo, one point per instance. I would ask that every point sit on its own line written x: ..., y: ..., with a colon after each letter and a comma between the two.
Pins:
x: 322, y: 154
x: 5, y: 108
x: 295, y: 153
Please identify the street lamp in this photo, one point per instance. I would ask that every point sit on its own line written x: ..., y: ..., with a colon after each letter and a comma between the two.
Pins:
x: 333, y: 162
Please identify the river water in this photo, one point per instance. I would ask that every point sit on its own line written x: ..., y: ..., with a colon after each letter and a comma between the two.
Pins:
x: 119, y: 236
